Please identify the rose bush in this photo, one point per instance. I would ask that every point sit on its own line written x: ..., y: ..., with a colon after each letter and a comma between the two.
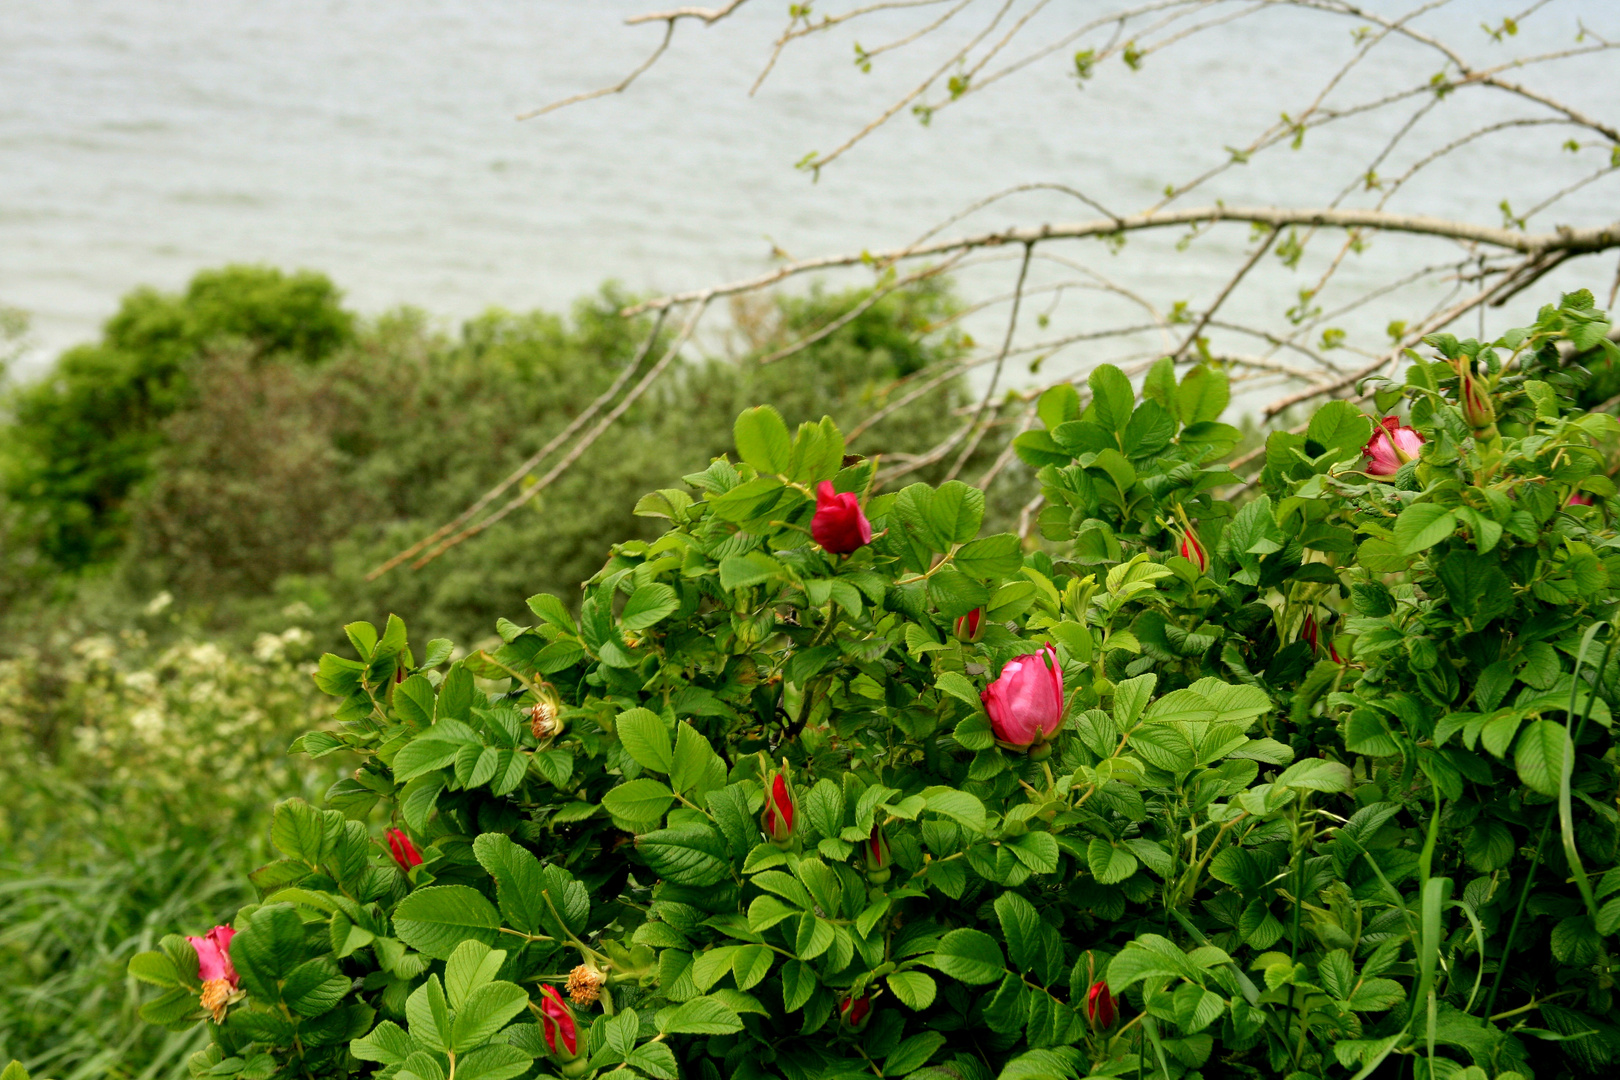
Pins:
x: 822, y: 783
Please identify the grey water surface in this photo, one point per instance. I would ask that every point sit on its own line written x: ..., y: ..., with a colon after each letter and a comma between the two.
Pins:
x: 375, y: 140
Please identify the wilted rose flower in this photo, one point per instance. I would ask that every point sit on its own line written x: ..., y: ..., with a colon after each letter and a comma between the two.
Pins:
x: 778, y: 819
x: 838, y: 524
x: 1100, y: 1012
x: 1026, y: 702
x: 585, y: 984
x: 1391, y: 445
x: 544, y: 721
x: 214, y: 968
x: 969, y: 626
x: 557, y: 1025
x: 1194, y: 552
x: 403, y: 850
x: 853, y: 1012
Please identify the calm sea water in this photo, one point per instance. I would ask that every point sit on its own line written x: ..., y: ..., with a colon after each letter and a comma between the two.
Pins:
x: 375, y: 140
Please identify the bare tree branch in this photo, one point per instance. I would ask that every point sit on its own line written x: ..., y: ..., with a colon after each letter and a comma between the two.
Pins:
x: 1574, y: 241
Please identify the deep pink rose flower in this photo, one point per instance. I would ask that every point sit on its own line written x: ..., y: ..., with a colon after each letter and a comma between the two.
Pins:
x: 403, y: 850
x: 1580, y: 499
x: 838, y: 525
x: 214, y: 955
x: 1391, y: 445
x: 1026, y: 703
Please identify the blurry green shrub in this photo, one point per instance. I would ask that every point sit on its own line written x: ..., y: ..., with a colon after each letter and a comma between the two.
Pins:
x: 136, y: 781
x: 287, y: 483
x: 81, y: 439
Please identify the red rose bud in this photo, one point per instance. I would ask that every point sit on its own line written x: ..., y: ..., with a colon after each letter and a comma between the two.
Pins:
x: 878, y: 856
x: 557, y: 1025
x: 780, y: 811
x: 1025, y: 702
x: 838, y: 524
x: 969, y: 626
x: 1194, y: 552
x: 1477, y: 408
x: 403, y: 850
x: 854, y: 1012
x: 214, y: 968
x: 1307, y: 632
x: 1100, y: 1011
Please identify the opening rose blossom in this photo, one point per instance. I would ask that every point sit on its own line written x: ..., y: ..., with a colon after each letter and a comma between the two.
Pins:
x: 969, y: 626
x: 403, y: 850
x: 557, y: 1025
x: 838, y: 525
x: 214, y: 968
x: 1392, y: 445
x: 1194, y: 552
x: 1100, y: 1012
x: 777, y: 820
x: 1026, y: 702
x: 853, y: 1012
x: 878, y: 856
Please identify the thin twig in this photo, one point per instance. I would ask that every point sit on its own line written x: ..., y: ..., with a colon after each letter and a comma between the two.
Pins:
x: 617, y: 88
x: 1232, y: 283
x: 579, y: 447
x: 535, y: 459
x: 1001, y: 360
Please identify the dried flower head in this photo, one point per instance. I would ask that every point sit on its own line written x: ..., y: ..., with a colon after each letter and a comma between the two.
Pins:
x: 543, y: 720
x: 216, y: 994
x: 585, y: 985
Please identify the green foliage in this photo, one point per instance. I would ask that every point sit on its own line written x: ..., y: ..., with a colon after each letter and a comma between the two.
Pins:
x: 81, y: 439
x: 289, y: 483
x: 1299, y: 819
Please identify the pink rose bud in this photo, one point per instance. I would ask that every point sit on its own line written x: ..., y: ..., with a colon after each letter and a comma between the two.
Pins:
x: 969, y: 626
x: 1194, y: 552
x: 853, y: 1012
x: 557, y: 1025
x: 1581, y: 499
x: 838, y: 525
x: 1026, y: 703
x: 777, y: 820
x: 1100, y: 1011
x: 1477, y: 408
x: 1391, y: 446
x: 403, y: 850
